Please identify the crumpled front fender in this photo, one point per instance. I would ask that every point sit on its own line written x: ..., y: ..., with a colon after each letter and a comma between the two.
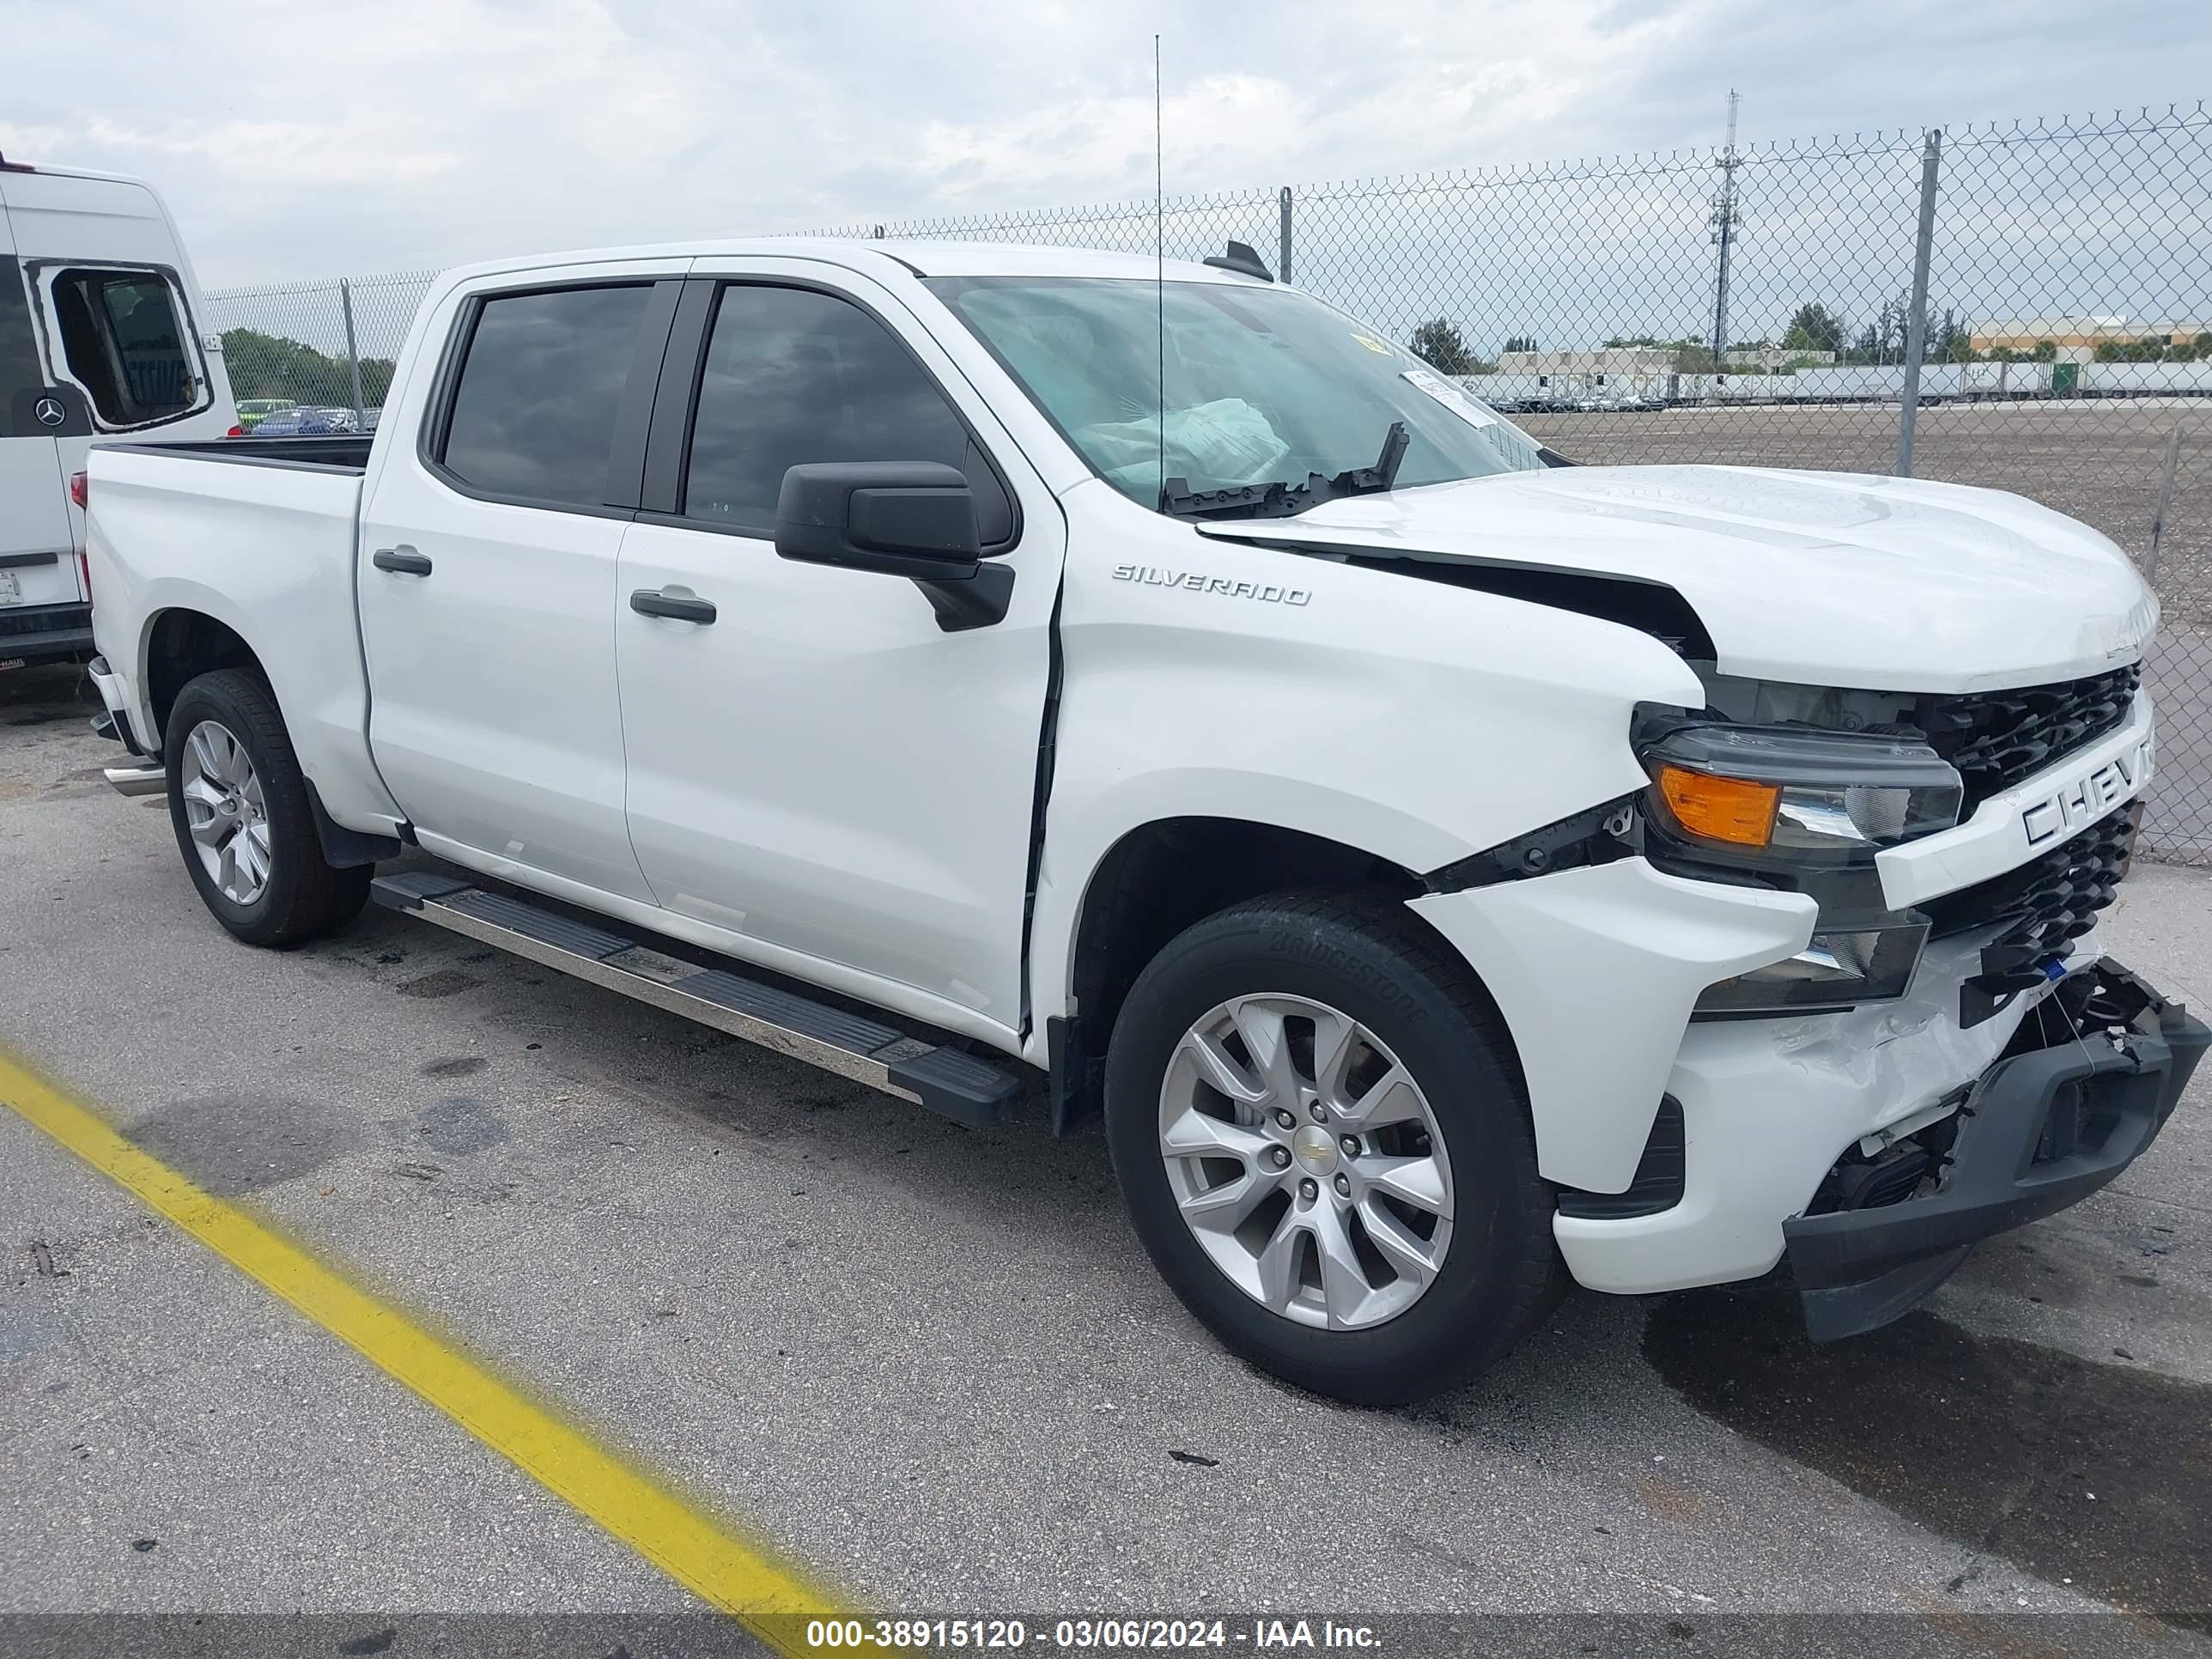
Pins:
x: 1595, y: 971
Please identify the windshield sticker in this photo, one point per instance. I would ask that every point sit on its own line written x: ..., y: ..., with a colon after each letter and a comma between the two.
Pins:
x: 1380, y: 347
x: 1451, y: 396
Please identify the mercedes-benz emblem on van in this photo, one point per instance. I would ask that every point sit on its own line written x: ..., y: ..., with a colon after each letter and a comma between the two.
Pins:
x: 48, y: 411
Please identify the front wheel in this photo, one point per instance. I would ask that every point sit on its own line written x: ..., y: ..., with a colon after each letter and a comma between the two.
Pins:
x: 1318, y: 1125
x: 239, y: 803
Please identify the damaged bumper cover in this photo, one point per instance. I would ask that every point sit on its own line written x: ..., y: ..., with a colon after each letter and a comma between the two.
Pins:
x: 2043, y: 1128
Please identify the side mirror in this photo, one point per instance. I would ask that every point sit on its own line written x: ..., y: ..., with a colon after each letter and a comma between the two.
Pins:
x: 911, y: 519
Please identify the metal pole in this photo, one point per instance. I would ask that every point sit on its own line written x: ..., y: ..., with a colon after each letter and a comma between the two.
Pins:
x: 1724, y: 234
x: 1916, y: 325
x: 2165, y: 500
x: 353, y: 350
x: 1282, y: 236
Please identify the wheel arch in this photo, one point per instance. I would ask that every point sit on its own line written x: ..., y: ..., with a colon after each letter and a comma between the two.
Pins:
x: 1158, y: 878
x: 182, y: 643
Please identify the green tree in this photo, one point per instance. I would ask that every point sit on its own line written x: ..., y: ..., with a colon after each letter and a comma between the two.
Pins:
x: 1815, y: 328
x: 1439, y: 343
x: 1521, y: 342
x: 270, y: 366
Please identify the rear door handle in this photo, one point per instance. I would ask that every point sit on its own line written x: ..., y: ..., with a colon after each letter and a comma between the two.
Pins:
x: 401, y: 560
x: 652, y: 602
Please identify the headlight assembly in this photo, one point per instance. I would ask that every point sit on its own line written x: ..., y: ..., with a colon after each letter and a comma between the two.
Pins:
x: 1807, y: 809
x: 1773, y: 794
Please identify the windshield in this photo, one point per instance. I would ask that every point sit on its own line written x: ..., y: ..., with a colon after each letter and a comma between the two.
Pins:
x: 1263, y: 385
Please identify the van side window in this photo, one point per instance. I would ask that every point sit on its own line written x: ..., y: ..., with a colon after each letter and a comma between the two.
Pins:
x: 533, y: 416
x: 794, y: 376
x: 123, y: 340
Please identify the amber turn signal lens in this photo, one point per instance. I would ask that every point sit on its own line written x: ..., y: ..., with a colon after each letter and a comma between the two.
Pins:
x: 1720, y: 809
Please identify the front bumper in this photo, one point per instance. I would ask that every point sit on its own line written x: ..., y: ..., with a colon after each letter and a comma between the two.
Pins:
x: 2042, y: 1129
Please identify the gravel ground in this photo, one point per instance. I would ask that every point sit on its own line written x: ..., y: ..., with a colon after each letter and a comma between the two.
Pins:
x: 934, y: 1366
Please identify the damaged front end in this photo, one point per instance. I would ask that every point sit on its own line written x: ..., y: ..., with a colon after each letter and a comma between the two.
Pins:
x: 2080, y: 1093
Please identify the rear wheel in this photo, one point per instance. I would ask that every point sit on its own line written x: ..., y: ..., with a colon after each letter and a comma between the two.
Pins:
x: 1318, y: 1125
x: 240, y: 807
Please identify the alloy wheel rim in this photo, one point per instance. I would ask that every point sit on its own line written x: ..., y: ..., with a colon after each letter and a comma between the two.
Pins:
x: 225, y: 812
x: 1306, y: 1161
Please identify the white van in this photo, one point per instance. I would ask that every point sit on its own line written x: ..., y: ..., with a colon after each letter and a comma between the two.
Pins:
x: 102, y: 330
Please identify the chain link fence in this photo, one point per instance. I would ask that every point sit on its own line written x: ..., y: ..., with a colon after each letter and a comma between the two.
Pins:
x: 2025, y: 306
x: 327, y: 348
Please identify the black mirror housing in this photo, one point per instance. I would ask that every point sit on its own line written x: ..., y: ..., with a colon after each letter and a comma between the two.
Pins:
x: 913, y: 519
x: 902, y: 517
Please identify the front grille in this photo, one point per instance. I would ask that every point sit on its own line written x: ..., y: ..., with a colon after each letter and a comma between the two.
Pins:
x: 1997, y: 739
x: 2039, y: 909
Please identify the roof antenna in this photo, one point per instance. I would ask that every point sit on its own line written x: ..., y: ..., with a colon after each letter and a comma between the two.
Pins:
x: 1160, y: 265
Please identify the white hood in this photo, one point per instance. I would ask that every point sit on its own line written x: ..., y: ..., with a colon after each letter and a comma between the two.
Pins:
x: 1820, y: 578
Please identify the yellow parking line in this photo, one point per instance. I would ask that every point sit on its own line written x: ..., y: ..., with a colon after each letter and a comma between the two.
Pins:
x: 740, y: 1579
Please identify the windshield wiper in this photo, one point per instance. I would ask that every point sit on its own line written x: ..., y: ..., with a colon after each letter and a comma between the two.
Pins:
x: 1279, y: 500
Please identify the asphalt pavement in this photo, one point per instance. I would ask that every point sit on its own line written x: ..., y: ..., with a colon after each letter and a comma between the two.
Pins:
x: 933, y: 1367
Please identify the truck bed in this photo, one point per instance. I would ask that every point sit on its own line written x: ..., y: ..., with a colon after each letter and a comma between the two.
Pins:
x: 258, y: 535
x: 338, y: 452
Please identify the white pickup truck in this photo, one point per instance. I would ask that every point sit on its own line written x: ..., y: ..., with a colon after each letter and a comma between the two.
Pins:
x: 1450, y: 871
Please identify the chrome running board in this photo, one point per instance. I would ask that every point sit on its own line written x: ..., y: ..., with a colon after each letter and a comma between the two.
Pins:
x: 969, y: 1091
x: 148, y: 779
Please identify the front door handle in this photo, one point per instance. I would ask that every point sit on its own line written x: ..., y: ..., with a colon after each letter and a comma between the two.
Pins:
x: 401, y: 560
x: 654, y: 601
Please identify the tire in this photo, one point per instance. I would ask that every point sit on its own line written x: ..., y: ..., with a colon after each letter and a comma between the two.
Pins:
x: 1365, y: 959
x: 300, y: 896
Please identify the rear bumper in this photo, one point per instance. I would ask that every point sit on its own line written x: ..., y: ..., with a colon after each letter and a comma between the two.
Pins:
x: 44, y: 633
x: 2042, y: 1130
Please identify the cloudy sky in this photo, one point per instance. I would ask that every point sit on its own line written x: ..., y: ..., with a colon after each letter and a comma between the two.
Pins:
x: 298, y: 141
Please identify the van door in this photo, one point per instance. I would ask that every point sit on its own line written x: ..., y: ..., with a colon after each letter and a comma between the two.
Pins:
x: 37, y: 546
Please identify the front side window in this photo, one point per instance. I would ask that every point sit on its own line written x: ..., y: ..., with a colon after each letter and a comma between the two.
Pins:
x: 1263, y: 385
x: 793, y: 376
x: 122, y: 339
x: 533, y: 415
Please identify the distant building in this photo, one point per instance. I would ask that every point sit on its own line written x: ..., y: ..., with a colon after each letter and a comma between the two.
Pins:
x: 1602, y: 360
x: 1774, y: 357
x: 2077, y: 338
x: 1639, y: 362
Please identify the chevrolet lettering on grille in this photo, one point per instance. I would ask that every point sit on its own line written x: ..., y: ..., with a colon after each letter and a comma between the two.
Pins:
x: 2089, y: 797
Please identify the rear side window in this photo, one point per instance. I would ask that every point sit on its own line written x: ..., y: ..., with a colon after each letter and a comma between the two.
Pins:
x: 533, y: 415
x: 793, y: 376
x: 124, y: 340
